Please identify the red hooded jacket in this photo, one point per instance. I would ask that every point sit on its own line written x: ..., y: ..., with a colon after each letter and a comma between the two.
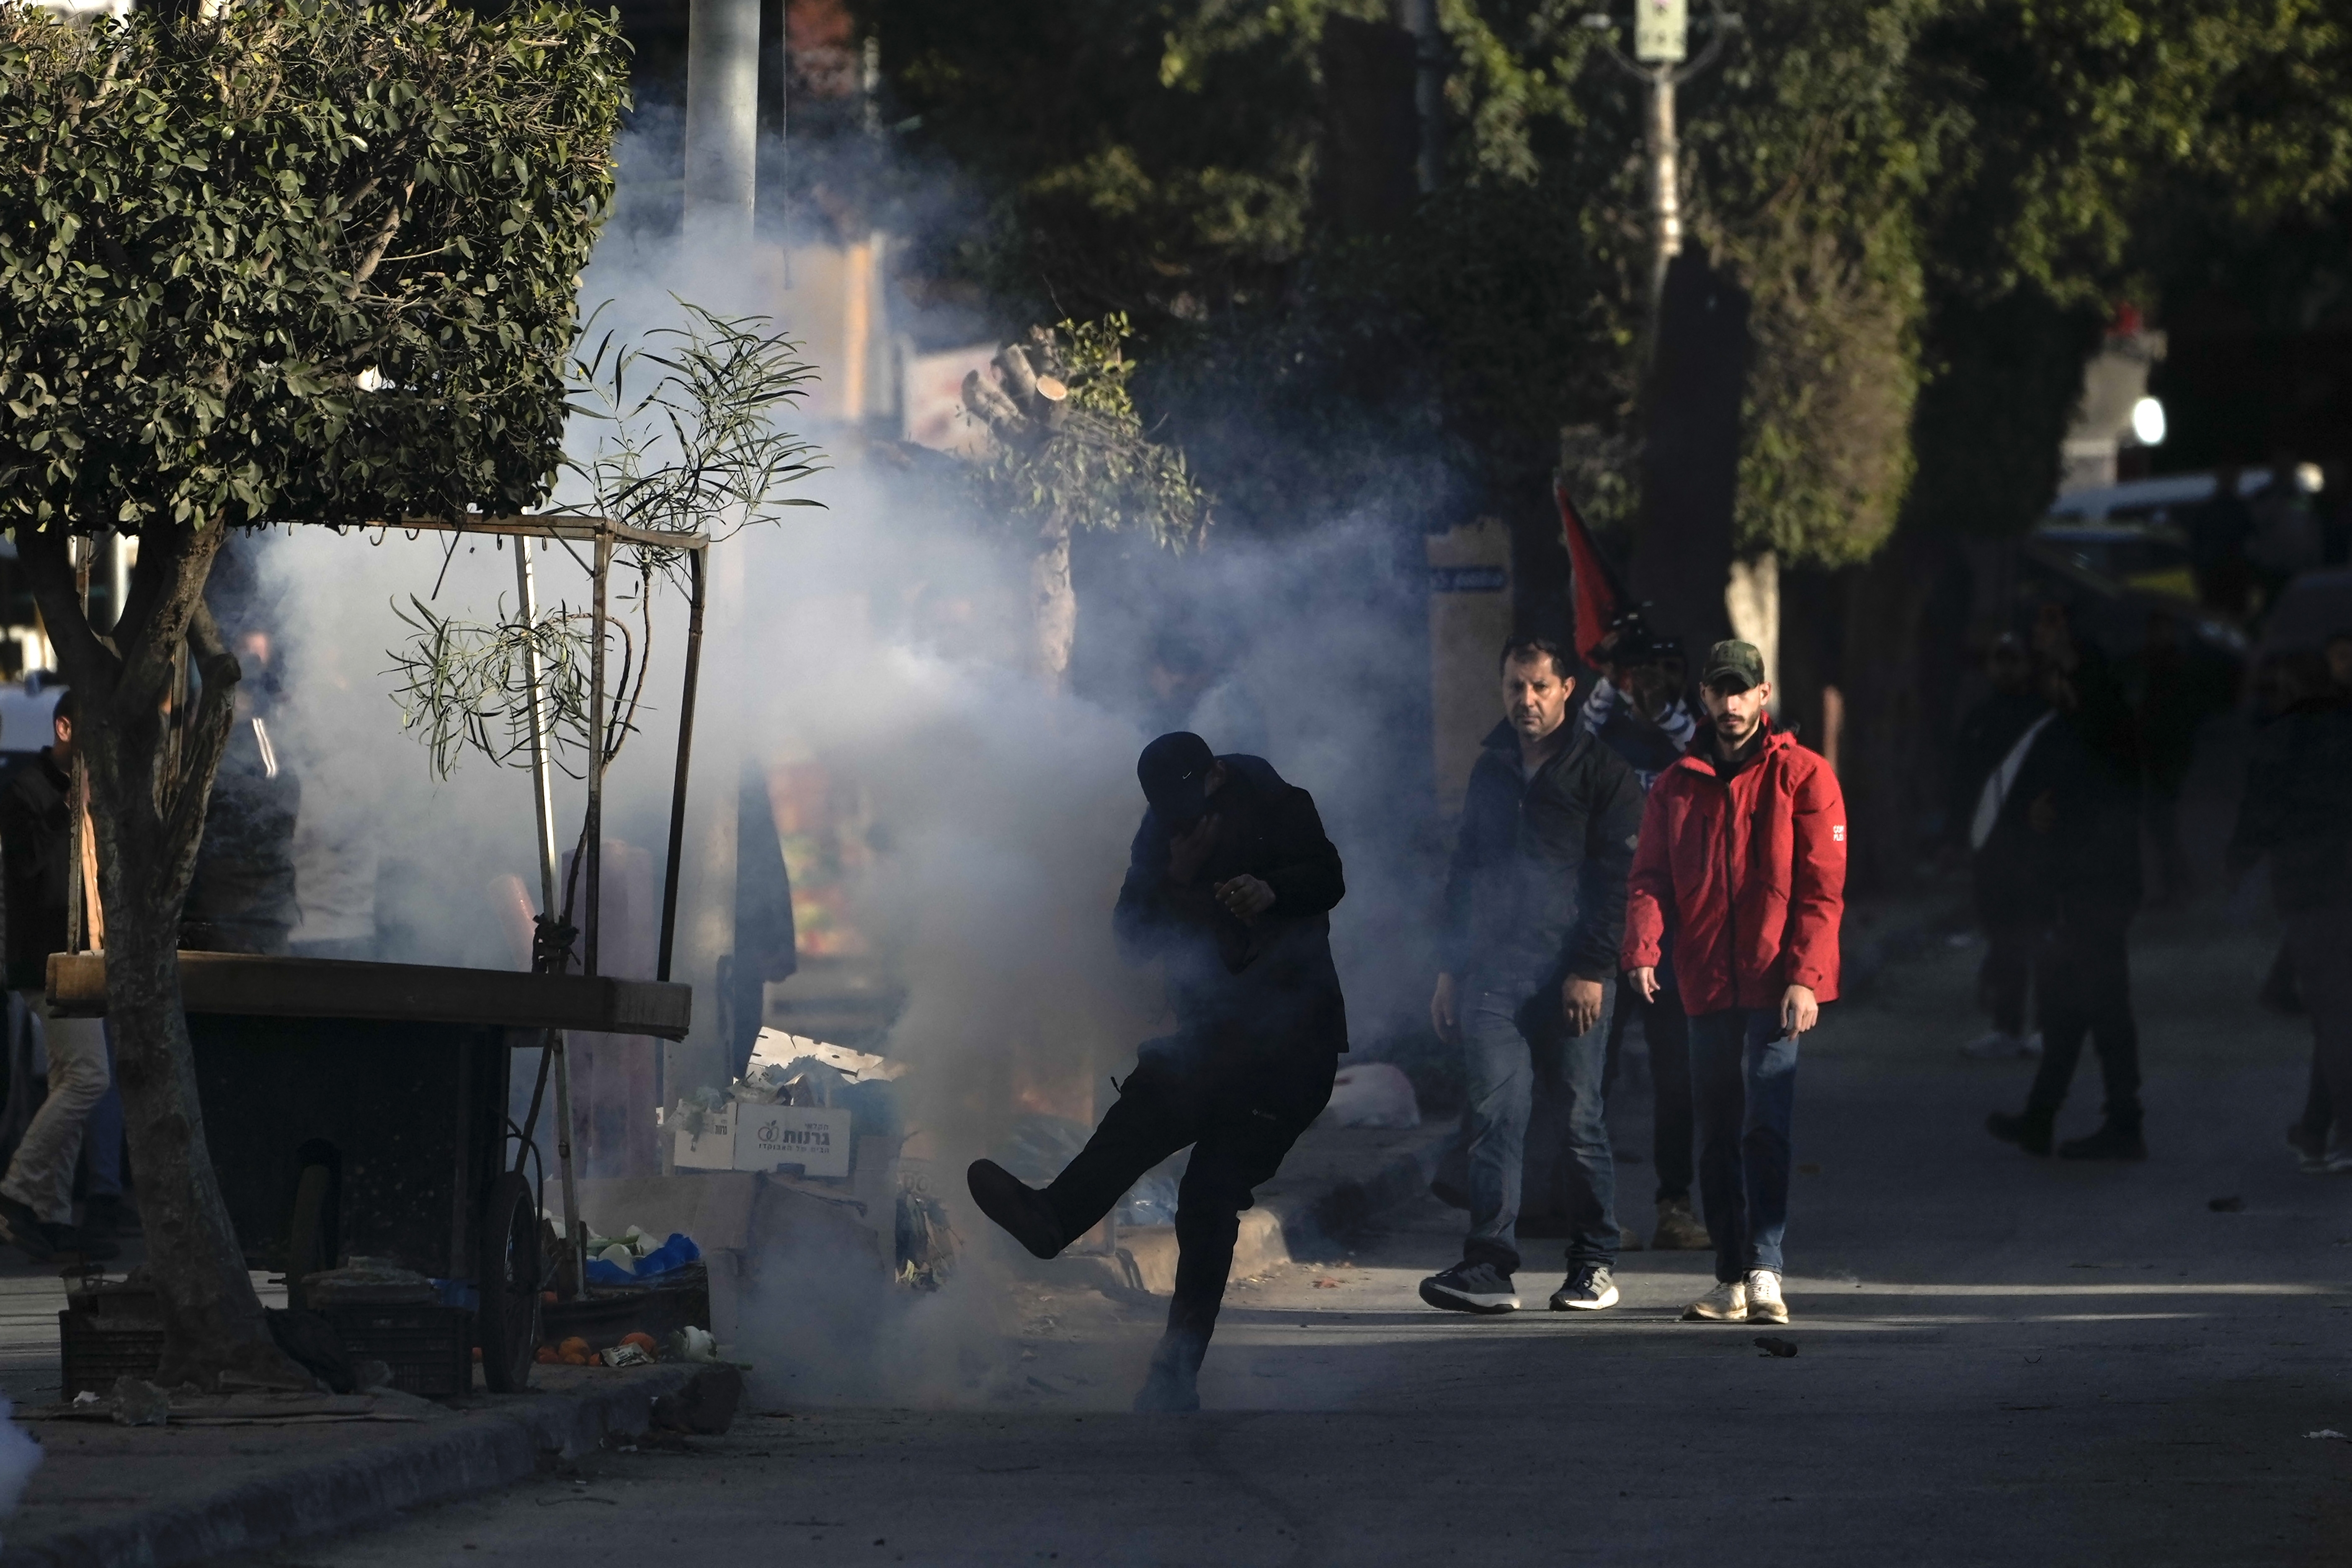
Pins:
x: 1749, y: 872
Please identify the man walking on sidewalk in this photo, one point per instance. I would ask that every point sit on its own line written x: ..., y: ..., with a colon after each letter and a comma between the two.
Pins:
x: 1743, y: 857
x: 37, y: 1195
x: 1534, y: 908
x: 1231, y: 881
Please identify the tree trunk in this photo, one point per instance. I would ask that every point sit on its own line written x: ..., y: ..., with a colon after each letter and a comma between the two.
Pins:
x: 1053, y: 602
x: 147, y: 811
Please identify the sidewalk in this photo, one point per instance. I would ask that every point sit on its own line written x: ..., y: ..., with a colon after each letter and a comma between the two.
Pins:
x: 108, y: 1495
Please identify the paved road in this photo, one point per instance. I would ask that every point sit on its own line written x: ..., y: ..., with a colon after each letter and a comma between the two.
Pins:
x: 2001, y: 1361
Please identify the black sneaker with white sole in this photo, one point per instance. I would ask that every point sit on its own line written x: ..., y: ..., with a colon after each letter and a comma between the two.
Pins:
x: 1478, y: 1288
x: 1587, y: 1288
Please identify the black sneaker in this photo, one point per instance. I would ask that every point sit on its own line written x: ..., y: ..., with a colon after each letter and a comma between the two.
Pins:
x: 1587, y: 1289
x: 106, y: 1218
x: 26, y: 1233
x: 1021, y: 1209
x: 2109, y: 1142
x: 2029, y: 1132
x: 69, y: 1240
x: 1478, y: 1288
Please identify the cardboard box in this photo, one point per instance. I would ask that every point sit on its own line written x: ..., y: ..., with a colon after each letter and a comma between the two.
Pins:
x: 713, y: 1149
x: 768, y: 1136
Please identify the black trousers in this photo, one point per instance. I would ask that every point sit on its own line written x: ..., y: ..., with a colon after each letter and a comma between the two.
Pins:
x: 2083, y: 974
x: 2006, y: 975
x: 1240, y: 1109
x: 1668, y: 1029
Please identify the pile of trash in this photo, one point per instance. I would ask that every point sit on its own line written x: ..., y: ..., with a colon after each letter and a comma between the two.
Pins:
x: 635, y: 1258
x: 800, y: 1103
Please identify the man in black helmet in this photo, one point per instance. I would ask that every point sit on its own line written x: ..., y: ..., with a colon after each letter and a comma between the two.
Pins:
x: 1230, y: 881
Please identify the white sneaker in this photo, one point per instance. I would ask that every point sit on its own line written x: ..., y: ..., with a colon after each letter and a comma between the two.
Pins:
x: 1727, y: 1303
x: 1764, y: 1302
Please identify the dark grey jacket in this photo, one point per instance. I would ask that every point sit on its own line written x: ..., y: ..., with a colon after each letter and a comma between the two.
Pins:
x: 1537, y: 893
x: 1269, y: 981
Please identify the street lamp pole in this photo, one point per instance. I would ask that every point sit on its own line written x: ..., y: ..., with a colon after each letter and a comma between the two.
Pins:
x: 1662, y: 61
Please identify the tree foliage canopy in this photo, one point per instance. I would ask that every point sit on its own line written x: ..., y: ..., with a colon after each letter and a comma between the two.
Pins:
x: 217, y: 235
x: 1897, y: 183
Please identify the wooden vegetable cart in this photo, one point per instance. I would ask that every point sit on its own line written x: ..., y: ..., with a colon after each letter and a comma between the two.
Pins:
x: 363, y: 1108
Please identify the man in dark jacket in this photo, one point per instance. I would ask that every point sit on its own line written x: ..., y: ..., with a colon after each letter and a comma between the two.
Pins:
x: 1230, y: 882
x: 1743, y: 858
x: 1533, y: 907
x: 2298, y: 811
x: 1983, y: 814
x: 2085, y: 810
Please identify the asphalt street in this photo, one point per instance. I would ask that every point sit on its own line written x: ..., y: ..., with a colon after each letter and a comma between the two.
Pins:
x: 2000, y: 1360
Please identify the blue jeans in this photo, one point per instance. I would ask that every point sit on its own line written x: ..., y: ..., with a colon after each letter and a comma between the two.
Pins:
x: 1501, y: 1065
x: 1744, y: 1079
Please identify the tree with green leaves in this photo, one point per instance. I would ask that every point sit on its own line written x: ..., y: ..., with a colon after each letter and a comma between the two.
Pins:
x: 290, y: 262
x: 1068, y: 450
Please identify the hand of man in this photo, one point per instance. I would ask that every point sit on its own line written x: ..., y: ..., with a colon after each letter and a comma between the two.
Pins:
x: 1442, y: 1015
x: 1798, y: 1011
x: 1189, y: 849
x: 1245, y: 897
x: 1580, y: 1004
x: 2042, y: 815
x: 1645, y: 980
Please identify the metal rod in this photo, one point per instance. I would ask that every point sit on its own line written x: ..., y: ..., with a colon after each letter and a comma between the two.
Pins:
x: 542, y: 783
x: 1666, y: 196
x: 593, y: 828
x: 684, y: 756
x: 547, y: 526
x: 552, y: 1045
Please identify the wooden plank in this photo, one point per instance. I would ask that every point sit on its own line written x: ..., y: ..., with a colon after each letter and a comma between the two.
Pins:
x: 342, y: 988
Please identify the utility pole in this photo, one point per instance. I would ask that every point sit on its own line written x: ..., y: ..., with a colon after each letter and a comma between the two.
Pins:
x: 1662, y: 61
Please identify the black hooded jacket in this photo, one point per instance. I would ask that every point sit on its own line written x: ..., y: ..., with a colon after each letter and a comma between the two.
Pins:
x: 1537, y: 892
x: 1269, y: 981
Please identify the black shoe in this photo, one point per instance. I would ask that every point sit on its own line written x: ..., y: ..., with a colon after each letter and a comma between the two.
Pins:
x: 2029, y: 1132
x: 26, y: 1233
x: 1478, y: 1288
x: 1019, y: 1209
x: 1170, y: 1389
x: 2109, y: 1142
x: 1586, y: 1290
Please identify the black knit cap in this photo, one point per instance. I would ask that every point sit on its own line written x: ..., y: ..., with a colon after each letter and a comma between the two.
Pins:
x: 1174, y: 773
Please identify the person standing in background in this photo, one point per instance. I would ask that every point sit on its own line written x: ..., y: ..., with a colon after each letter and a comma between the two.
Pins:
x: 2087, y: 813
x: 36, y: 860
x: 1743, y: 858
x: 2297, y: 811
x: 1535, y: 900
x: 1983, y: 816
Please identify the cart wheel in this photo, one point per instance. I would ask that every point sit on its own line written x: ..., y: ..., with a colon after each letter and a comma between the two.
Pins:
x: 508, y: 1279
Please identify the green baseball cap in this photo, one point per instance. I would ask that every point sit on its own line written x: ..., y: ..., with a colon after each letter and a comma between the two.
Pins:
x: 1733, y: 661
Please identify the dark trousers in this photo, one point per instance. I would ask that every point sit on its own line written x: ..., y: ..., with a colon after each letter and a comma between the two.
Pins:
x: 2083, y: 975
x: 1744, y: 1076
x: 1239, y: 1110
x: 2321, y: 941
x: 1668, y: 1030
x: 2007, y: 973
x: 1502, y: 1067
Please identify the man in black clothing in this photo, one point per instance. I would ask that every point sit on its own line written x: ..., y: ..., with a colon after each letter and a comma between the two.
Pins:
x: 1983, y: 815
x: 1535, y: 905
x: 2297, y: 809
x: 2085, y: 812
x: 1230, y: 882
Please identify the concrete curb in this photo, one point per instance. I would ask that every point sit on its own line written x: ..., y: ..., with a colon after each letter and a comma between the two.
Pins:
x: 475, y: 1452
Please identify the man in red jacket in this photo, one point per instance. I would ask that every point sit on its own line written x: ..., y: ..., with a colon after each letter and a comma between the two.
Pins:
x: 1743, y: 858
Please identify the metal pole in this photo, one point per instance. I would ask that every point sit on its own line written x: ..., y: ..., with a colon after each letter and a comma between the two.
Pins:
x: 543, y: 798
x: 684, y: 755
x: 1666, y: 198
x: 594, y: 832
